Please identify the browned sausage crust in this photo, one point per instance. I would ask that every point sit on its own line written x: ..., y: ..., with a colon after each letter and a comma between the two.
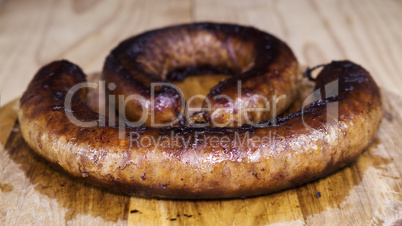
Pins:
x: 163, y: 55
x: 190, y: 168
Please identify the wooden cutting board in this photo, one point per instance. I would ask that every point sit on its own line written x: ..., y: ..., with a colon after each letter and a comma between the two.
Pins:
x: 366, y: 192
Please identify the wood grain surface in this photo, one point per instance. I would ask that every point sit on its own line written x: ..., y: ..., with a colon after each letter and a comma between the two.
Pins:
x: 33, y: 33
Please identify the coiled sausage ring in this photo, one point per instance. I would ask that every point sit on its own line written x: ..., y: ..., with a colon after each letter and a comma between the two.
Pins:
x: 251, y: 56
x: 182, y: 161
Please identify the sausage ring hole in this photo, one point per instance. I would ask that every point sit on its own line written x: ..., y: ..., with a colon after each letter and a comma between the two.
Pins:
x: 183, y: 71
x: 195, y: 89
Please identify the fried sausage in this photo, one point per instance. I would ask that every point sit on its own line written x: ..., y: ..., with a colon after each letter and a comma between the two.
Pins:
x: 202, y: 163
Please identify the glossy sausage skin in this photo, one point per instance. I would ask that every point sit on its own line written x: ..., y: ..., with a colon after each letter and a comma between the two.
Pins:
x: 251, y: 56
x: 294, y: 154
